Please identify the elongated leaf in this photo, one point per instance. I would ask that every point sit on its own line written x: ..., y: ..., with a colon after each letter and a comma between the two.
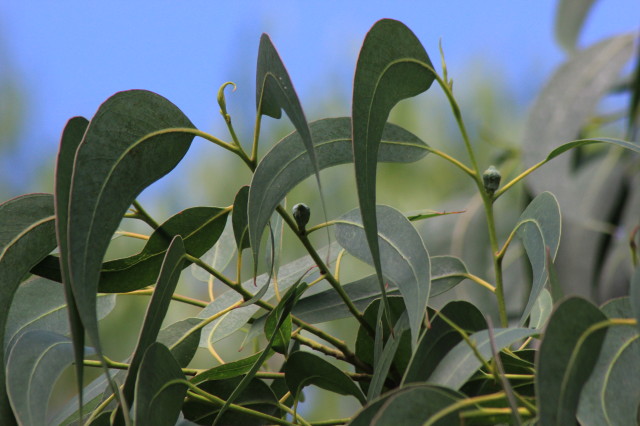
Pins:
x: 218, y: 257
x: 564, y: 105
x: 123, y: 151
x: 446, y: 273
x: 404, y: 257
x: 383, y: 364
x: 391, y: 67
x: 40, y: 304
x: 92, y: 393
x: 156, y: 311
x: 461, y: 362
x: 570, y: 17
x: 602, y: 385
x: 437, y: 341
x: 34, y: 364
x: 304, y: 369
x: 281, y: 312
x: 200, y: 228
x: 288, y: 163
x: 565, y: 360
x: 228, y: 370
x: 180, y: 338
x: 27, y: 235
x: 156, y: 401
x: 71, y: 139
x: 539, y: 227
x: 240, y: 218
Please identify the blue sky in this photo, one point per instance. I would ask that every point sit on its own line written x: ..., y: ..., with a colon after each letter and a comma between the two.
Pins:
x: 69, y: 56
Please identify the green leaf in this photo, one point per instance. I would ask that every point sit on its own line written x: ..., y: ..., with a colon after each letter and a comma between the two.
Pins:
x: 180, y: 338
x: 404, y: 257
x: 541, y: 310
x: 288, y: 163
x: 461, y: 363
x: 566, y: 358
x: 218, y: 257
x: 605, y: 387
x: 437, y: 341
x: 127, y: 147
x: 256, y: 396
x: 563, y: 107
x: 281, y: 312
x: 40, y: 304
x: 446, y: 273
x: 392, y: 66
x: 420, y: 401
x: 71, y: 139
x: 239, y: 218
x: 570, y: 17
x: 34, y: 364
x: 27, y: 235
x: 539, y: 227
x: 304, y: 369
x: 156, y: 311
x: 157, y: 401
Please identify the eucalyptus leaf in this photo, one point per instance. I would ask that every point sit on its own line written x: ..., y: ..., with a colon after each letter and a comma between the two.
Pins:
x: 566, y: 358
x: 134, y: 139
x: 539, y: 227
x: 157, y: 400
x: 219, y: 256
x: 27, y: 235
x: 240, y: 219
x: 304, y: 368
x: 35, y: 362
x: 392, y: 66
x: 404, y: 257
x: 461, y: 362
x: 541, y: 310
x: 180, y: 338
x: 288, y: 163
x: 227, y: 370
x: 570, y: 18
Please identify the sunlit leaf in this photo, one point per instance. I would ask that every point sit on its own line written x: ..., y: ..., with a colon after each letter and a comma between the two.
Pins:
x: 156, y: 401
x: 27, y: 235
x: 461, y: 362
x: 123, y: 151
x: 34, y: 364
x: 404, y: 257
x: 288, y: 163
x: 570, y: 17
x: 390, y: 68
x: 566, y: 359
x: 304, y: 369
x: 539, y: 227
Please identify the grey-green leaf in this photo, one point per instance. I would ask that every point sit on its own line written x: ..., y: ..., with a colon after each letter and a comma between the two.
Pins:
x: 27, y: 235
x: 304, y: 368
x: 461, y: 362
x: 239, y: 218
x: 403, y: 256
x: 157, y: 402
x: 539, y: 227
x: 34, y: 364
x: 126, y: 147
x: 566, y: 359
x: 288, y: 163
x: 392, y: 66
x: 181, y: 338
x: 570, y: 17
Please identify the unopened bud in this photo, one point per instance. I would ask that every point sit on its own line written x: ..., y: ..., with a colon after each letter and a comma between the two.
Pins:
x: 491, y: 178
x: 302, y: 214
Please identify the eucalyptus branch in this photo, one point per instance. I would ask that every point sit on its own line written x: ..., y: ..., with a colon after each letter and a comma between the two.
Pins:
x: 141, y: 213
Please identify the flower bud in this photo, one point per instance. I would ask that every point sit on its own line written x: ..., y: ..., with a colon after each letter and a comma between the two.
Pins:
x: 302, y: 214
x: 491, y: 178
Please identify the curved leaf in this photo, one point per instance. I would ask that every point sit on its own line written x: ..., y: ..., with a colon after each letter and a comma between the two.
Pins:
x: 634, y: 296
x: 404, y: 257
x: 156, y: 401
x: 461, y: 362
x: 602, y: 384
x: 541, y: 310
x: 172, y: 265
x: 34, y: 364
x: 446, y: 273
x: 565, y: 360
x: 239, y: 218
x: 180, y: 338
x: 539, y: 227
x: 303, y: 369
x: 622, y: 393
x: 418, y: 405
x: 391, y: 67
x: 124, y: 150
x: 228, y: 370
x: 27, y: 235
x: 570, y: 17
x: 288, y: 163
